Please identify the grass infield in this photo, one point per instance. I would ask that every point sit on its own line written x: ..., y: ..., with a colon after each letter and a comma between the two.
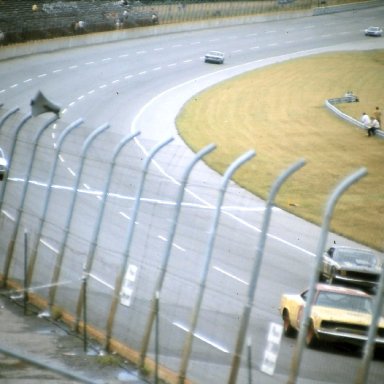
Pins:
x: 279, y: 111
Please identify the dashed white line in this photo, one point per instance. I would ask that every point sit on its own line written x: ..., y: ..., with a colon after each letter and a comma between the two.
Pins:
x: 202, y: 338
x: 124, y: 215
x: 230, y: 275
x: 49, y: 246
x: 173, y: 244
x: 71, y: 171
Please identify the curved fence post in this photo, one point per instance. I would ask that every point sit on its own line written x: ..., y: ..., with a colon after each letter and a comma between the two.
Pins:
x: 339, y: 190
x: 42, y: 219
x: 188, y: 342
x: 5, y: 182
x: 12, y: 242
x: 256, y: 269
x: 362, y: 372
x: 96, y: 231
x: 7, y: 115
x: 10, y: 157
x: 57, y: 269
x: 131, y: 228
x: 167, y: 253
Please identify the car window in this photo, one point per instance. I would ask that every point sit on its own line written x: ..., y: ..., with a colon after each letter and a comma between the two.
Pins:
x: 356, y: 257
x: 343, y: 301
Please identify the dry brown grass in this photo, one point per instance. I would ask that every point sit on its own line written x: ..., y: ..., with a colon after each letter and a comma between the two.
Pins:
x: 279, y: 111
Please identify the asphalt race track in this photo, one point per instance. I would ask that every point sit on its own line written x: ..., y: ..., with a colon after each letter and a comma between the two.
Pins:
x: 139, y: 85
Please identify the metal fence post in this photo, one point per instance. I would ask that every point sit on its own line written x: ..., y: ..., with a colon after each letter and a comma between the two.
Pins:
x: 10, y: 157
x: 96, y: 231
x: 167, y: 252
x: 188, y: 342
x: 16, y: 226
x: 60, y: 256
x: 362, y: 372
x: 7, y: 115
x: 39, y: 231
x: 131, y: 228
x: 256, y: 269
x: 297, y: 353
x: 4, y: 185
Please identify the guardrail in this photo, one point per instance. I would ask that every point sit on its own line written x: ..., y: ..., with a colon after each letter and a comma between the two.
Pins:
x: 324, y: 9
x: 330, y: 104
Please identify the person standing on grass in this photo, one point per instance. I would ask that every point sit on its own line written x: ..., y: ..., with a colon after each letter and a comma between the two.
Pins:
x: 377, y: 114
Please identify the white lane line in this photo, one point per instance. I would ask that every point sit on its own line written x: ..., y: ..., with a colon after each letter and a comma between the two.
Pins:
x: 49, y: 246
x: 101, y: 281
x: 173, y: 244
x: 202, y: 338
x: 10, y: 217
x: 27, y: 80
x: 230, y: 275
x: 71, y: 171
x: 124, y: 215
